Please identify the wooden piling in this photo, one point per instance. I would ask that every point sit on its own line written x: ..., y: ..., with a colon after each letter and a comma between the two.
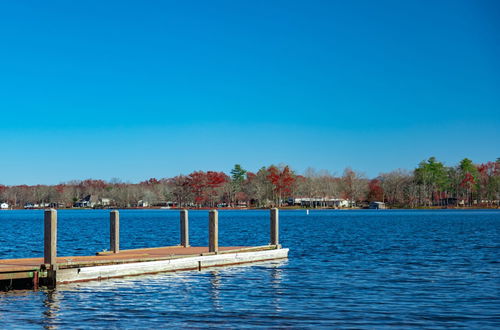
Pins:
x: 213, y: 231
x: 35, y: 280
x: 114, y: 231
x: 50, y: 238
x: 184, y: 228
x: 274, y: 226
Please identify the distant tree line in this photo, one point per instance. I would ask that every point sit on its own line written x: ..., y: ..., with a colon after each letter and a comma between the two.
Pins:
x: 430, y: 184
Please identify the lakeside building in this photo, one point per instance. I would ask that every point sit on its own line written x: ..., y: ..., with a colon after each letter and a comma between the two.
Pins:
x: 143, y: 203
x: 92, y: 201
x: 4, y: 206
x: 319, y: 202
x: 161, y: 204
x: 36, y: 205
x: 87, y: 201
x: 377, y: 206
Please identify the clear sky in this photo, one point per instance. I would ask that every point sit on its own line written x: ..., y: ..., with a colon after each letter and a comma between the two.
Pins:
x: 133, y: 90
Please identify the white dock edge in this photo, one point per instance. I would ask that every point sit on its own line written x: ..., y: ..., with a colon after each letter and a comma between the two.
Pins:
x: 151, y: 267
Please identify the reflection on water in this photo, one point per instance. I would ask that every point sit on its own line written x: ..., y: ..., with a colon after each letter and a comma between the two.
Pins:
x: 178, y: 278
x: 215, y: 287
x: 276, y: 275
x: 51, y: 309
x: 163, y: 295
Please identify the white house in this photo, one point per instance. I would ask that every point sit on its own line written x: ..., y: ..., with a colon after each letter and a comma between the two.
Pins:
x: 4, y: 206
x: 142, y: 203
x: 319, y: 202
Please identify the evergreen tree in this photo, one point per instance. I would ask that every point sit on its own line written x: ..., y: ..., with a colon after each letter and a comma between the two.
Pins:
x: 237, y: 180
x: 432, y: 176
x: 238, y: 174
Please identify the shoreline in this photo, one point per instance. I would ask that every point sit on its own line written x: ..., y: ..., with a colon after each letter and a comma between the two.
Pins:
x: 283, y: 208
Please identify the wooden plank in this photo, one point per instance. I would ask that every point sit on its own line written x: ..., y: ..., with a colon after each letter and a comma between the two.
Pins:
x: 139, y: 261
x: 179, y: 264
x: 146, y: 257
x: 11, y: 268
x: 135, y: 255
x: 253, y: 248
x: 107, y: 253
x: 242, y: 257
x: 15, y: 275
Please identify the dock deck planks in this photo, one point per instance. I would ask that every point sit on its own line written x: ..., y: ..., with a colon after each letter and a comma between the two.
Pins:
x: 26, y: 268
x: 14, y: 265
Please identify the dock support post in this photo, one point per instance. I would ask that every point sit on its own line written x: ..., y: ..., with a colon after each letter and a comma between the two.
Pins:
x: 114, y: 231
x: 213, y: 231
x: 274, y: 226
x: 35, y: 280
x: 184, y: 228
x: 50, y: 247
x: 50, y: 238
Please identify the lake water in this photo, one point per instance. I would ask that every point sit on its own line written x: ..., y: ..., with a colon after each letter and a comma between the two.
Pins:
x: 361, y: 269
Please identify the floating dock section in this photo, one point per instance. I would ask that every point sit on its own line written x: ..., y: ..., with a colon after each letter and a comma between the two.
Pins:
x: 51, y: 269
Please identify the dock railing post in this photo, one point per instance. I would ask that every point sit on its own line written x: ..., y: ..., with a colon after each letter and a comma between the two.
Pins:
x: 274, y: 226
x: 114, y: 231
x: 213, y: 231
x: 184, y: 228
x: 50, y: 238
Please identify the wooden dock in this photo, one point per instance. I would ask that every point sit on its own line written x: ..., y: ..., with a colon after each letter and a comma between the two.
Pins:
x: 51, y: 269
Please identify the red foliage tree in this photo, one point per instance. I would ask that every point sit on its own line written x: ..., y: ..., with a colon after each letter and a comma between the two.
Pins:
x: 375, y: 191
x: 197, y: 182
x: 489, y: 174
x: 468, y: 181
x: 250, y: 176
x: 282, y: 181
x: 205, y: 186
x: 150, y: 182
x: 215, y: 180
x: 60, y: 188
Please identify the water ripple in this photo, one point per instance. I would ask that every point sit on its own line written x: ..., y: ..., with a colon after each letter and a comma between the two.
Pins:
x: 408, y: 269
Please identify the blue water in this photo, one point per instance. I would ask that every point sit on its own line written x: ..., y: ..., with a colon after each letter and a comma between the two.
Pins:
x: 361, y: 269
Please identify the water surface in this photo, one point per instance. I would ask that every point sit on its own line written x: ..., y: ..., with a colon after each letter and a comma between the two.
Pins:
x: 361, y: 269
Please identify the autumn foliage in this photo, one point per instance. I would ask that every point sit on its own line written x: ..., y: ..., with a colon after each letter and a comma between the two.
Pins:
x: 206, y: 186
x: 430, y: 184
x: 282, y: 181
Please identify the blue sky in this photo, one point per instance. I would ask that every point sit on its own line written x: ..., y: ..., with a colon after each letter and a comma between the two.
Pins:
x: 142, y: 89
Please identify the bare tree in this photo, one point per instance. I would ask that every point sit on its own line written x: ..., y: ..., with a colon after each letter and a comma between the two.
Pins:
x: 354, y: 185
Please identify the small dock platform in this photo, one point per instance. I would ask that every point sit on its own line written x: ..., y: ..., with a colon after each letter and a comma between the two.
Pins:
x: 51, y: 269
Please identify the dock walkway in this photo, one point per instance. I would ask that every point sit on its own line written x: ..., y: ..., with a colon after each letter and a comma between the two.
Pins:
x: 51, y: 269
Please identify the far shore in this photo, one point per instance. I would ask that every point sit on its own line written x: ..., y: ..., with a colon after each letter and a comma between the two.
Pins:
x: 284, y: 208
